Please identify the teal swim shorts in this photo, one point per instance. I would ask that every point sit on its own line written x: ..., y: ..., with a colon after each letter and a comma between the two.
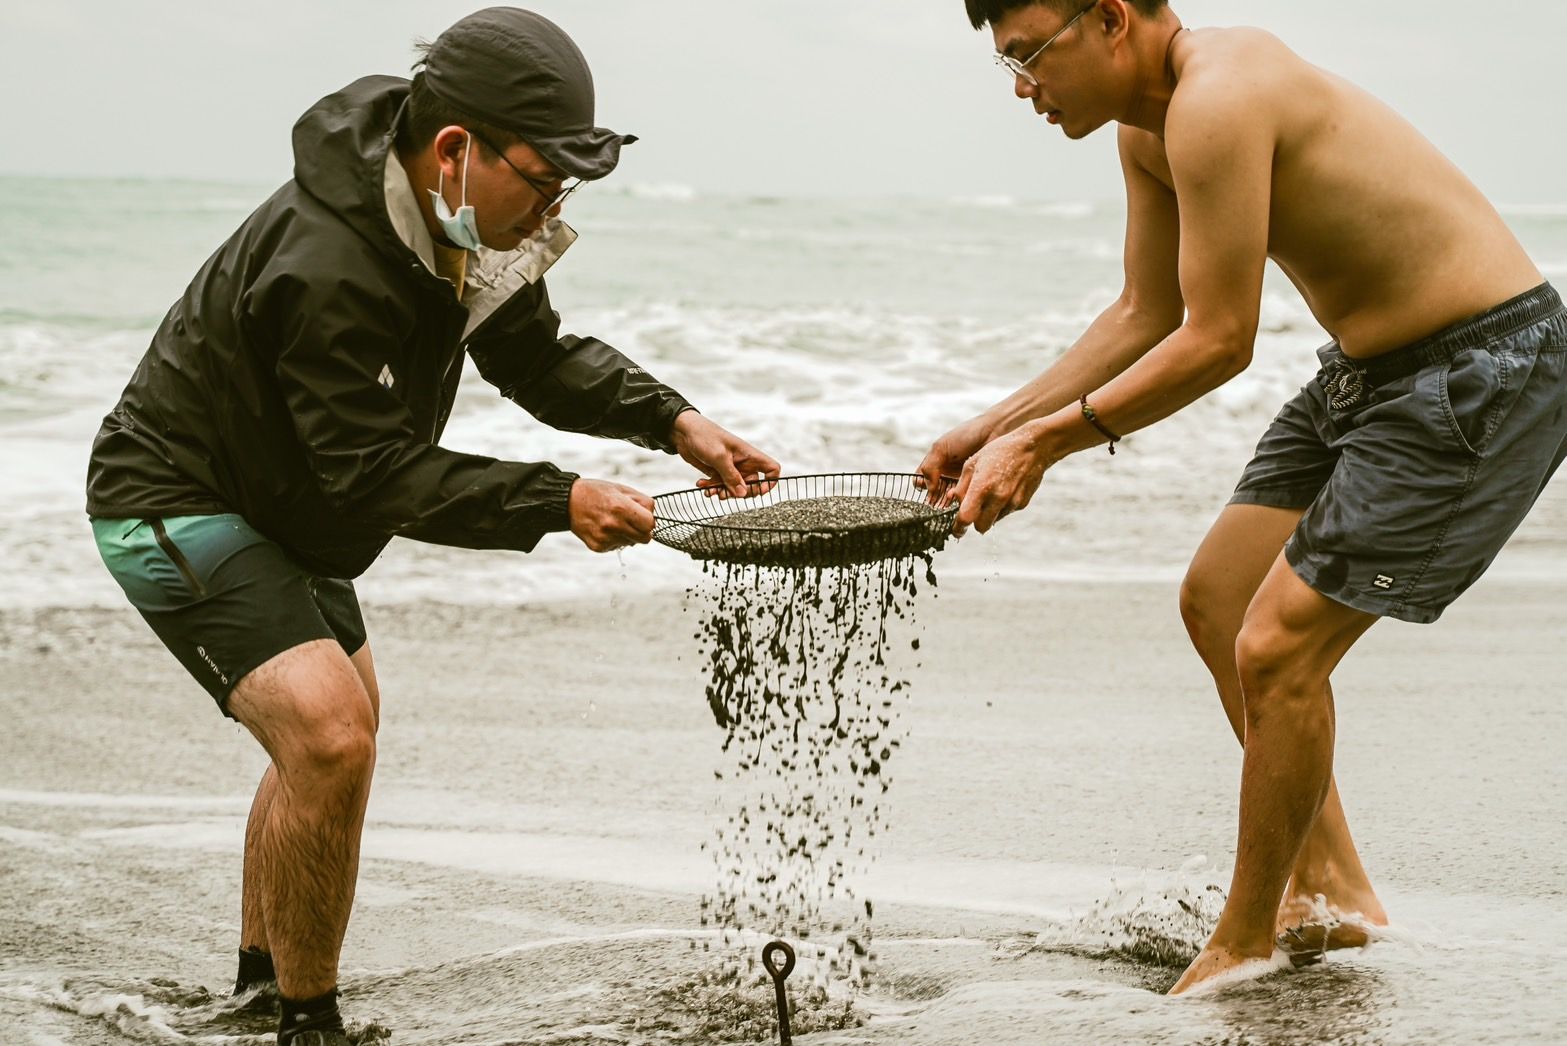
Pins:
x: 223, y: 598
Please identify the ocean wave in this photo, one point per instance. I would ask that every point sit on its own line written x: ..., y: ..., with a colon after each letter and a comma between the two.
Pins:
x: 1533, y: 210
x: 1000, y: 201
x: 68, y: 322
x: 1064, y: 210
x: 162, y: 1009
x: 900, y: 241
x: 1079, y: 247
x: 47, y: 368
x: 663, y: 192
x: 1067, y: 209
x: 824, y: 389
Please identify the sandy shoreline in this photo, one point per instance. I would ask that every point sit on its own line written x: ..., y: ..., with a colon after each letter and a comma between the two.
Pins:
x: 565, y: 697
x: 545, y: 773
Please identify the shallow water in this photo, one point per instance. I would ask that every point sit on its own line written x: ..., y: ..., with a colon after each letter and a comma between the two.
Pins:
x: 534, y: 868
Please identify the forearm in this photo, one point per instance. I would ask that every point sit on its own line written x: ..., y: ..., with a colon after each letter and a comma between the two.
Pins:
x: 1117, y: 339
x: 433, y: 494
x: 1180, y: 370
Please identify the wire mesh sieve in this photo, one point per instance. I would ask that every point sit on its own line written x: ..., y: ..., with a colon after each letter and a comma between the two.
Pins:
x: 828, y: 520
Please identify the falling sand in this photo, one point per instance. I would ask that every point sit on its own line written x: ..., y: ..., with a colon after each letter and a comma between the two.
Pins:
x: 808, y: 682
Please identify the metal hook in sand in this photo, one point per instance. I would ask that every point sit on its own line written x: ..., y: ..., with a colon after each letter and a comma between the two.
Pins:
x: 779, y: 973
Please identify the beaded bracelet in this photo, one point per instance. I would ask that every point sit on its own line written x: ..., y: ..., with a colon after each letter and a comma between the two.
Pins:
x: 1093, y: 419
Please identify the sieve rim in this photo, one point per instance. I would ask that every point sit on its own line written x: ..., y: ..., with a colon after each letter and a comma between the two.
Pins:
x: 706, y: 522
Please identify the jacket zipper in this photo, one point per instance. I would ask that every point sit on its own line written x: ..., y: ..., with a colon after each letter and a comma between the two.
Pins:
x: 442, y: 406
x: 181, y: 564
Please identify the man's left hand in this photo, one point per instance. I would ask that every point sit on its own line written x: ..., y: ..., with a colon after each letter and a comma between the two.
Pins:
x: 731, y: 466
x: 1000, y: 479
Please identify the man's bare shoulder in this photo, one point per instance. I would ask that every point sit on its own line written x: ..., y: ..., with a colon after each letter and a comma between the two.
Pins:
x: 1233, y: 84
x: 1208, y: 54
x: 1225, y: 76
x: 1226, y: 68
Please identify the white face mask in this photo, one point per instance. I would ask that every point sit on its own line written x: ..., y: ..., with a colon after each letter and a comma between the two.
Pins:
x: 461, y: 228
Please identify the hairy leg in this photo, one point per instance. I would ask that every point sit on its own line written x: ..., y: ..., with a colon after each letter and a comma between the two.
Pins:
x: 1292, y: 639
x: 253, y: 917
x: 312, y: 712
x: 1225, y: 574
x: 253, y: 922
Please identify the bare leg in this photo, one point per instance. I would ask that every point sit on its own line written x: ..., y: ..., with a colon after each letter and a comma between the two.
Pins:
x: 253, y: 921
x: 311, y: 711
x: 1291, y: 641
x: 1328, y: 874
x: 253, y: 918
x: 364, y: 664
x: 1224, y: 577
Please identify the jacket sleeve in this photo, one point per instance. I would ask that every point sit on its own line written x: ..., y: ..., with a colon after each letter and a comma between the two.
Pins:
x: 576, y: 384
x: 334, y: 338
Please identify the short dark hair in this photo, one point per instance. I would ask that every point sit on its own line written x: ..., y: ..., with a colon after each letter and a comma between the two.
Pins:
x: 983, y: 12
x: 426, y: 115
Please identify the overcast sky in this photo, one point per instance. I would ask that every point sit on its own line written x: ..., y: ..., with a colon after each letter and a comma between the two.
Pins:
x: 799, y: 97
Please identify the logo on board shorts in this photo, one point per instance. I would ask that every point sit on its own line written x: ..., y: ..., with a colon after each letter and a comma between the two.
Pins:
x: 1383, y: 581
x: 212, y: 665
x: 385, y: 377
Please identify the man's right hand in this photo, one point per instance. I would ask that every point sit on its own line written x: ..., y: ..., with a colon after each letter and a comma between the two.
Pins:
x: 606, y: 516
x: 948, y: 454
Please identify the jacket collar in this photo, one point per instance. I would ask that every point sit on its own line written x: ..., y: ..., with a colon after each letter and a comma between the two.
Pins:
x: 402, y: 209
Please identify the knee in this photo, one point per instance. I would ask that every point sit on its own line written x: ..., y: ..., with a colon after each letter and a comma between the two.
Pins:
x: 1192, y: 603
x: 1279, y: 678
x: 337, y: 749
x: 1201, y: 601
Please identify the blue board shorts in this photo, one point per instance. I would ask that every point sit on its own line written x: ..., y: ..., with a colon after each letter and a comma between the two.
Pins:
x: 1414, y: 467
x: 223, y: 598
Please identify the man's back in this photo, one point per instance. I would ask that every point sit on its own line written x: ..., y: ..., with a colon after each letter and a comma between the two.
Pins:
x: 1385, y: 239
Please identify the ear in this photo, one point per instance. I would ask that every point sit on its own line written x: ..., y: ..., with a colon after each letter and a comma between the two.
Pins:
x: 448, y: 146
x: 1114, y: 21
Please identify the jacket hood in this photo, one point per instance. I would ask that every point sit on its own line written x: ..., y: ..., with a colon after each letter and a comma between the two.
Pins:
x: 340, y: 147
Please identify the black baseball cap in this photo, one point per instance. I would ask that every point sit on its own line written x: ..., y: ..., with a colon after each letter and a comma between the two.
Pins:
x: 520, y: 72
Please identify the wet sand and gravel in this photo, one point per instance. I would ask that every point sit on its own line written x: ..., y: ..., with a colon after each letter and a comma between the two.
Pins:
x: 534, y: 863
x: 831, y: 531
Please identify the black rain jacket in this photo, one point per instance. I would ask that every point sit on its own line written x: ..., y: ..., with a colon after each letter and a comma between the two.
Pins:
x: 303, y: 379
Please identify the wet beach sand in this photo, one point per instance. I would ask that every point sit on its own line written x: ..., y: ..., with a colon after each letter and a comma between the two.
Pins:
x: 1058, y: 821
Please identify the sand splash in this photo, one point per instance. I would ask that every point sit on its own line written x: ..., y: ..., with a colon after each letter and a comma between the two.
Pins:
x: 1155, y: 918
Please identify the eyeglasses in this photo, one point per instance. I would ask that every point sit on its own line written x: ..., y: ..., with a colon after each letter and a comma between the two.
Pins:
x: 1017, y: 68
x: 553, y: 197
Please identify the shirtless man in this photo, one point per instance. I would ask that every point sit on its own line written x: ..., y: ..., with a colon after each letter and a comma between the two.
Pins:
x: 1385, y: 488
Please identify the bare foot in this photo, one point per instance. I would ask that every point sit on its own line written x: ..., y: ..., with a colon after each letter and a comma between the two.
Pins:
x: 1310, y: 927
x: 1217, y: 967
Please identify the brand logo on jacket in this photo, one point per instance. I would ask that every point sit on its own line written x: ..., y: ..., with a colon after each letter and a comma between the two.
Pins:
x: 385, y: 378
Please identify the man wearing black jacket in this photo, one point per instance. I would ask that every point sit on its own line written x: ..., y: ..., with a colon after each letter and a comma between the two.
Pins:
x: 282, y: 428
